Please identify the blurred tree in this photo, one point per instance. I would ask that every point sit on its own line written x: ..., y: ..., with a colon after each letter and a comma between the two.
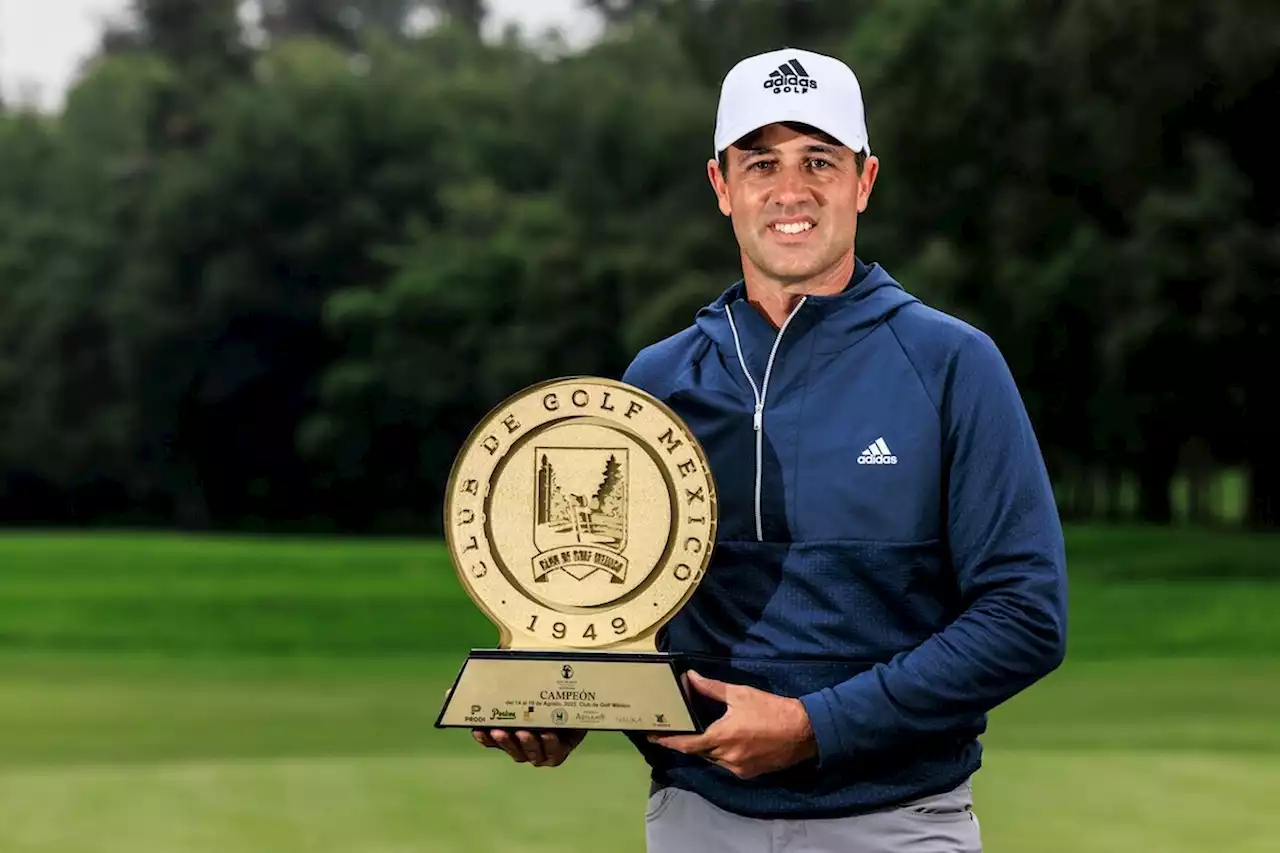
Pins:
x: 571, y: 200
x: 63, y: 248
x: 275, y: 286
x: 715, y: 34
x: 202, y: 38
x: 306, y: 174
x: 340, y: 21
x: 1164, y: 109
x: 202, y: 41
x: 482, y: 306
x: 468, y: 14
x: 622, y: 11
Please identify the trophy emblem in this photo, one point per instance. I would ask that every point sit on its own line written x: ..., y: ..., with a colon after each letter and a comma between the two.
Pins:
x: 582, y: 505
x: 580, y: 517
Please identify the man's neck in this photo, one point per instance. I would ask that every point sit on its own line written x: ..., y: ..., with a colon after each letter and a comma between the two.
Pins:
x: 776, y: 299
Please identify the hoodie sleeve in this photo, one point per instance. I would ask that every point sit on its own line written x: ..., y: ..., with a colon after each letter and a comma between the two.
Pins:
x: 1008, y: 555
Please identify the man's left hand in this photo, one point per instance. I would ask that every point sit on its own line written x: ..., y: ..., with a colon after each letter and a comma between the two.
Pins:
x: 759, y: 733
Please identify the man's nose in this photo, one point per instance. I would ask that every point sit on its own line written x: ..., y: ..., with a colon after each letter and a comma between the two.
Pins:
x: 791, y: 187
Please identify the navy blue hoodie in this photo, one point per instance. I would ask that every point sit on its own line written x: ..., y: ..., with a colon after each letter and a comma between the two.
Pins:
x: 888, y: 548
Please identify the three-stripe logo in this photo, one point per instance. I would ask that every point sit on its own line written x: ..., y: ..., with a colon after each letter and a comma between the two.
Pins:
x: 878, y: 453
x: 790, y: 77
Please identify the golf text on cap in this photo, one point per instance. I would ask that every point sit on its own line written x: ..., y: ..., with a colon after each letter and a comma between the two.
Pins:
x: 790, y: 77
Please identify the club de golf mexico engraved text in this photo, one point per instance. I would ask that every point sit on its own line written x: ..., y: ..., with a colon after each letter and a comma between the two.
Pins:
x: 690, y: 491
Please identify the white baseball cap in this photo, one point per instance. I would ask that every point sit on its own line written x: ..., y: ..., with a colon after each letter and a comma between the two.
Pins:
x: 791, y: 85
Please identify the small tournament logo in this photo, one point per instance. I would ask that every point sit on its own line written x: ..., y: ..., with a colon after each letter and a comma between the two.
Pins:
x: 567, y: 672
x: 790, y: 77
x: 580, y: 512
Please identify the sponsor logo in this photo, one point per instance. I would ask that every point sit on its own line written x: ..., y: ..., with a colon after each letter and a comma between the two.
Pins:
x: 790, y: 77
x: 877, y: 453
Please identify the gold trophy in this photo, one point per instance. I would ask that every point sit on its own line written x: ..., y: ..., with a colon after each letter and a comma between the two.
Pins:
x: 580, y: 516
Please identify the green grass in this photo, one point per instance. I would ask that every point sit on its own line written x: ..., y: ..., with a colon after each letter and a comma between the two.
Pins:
x: 257, y: 757
x: 164, y: 695
x: 1099, y: 553
x: 1134, y: 591
x: 220, y: 596
x: 1042, y: 800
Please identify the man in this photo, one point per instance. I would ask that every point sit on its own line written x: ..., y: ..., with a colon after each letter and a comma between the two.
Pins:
x: 889, y: 563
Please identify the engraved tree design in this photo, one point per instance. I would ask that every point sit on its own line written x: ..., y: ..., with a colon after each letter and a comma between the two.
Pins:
x: 609, y: 495
x: 610, y: 500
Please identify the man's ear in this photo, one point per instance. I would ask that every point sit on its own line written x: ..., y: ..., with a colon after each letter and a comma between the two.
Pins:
x: 867, y: 180
x: 718, y: 184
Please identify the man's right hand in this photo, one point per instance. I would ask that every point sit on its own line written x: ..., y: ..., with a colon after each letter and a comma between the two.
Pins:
x: 541, y: 749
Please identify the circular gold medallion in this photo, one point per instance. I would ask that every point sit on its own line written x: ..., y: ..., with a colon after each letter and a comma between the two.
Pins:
x: 581, y: 513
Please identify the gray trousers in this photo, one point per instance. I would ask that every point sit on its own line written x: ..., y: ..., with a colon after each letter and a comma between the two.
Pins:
x: 677, y: 821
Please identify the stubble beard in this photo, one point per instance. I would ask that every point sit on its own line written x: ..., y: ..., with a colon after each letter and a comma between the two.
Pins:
x: 793, y: 267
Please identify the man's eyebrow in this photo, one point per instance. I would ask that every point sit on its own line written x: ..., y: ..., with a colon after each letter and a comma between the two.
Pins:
x: 831, y: 151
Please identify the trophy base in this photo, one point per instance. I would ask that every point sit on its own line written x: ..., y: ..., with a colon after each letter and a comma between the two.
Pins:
x: 599, y: 691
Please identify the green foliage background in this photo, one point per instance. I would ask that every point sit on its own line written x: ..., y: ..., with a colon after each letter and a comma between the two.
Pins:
x: 271, y: 284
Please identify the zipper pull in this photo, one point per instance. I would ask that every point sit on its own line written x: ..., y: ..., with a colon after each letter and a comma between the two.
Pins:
x: 758, y: 420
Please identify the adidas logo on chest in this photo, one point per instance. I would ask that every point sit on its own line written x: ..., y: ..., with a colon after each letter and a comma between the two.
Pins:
x: 877, y: 453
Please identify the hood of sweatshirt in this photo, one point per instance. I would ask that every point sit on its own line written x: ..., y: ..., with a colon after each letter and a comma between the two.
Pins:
x: 838, y: 320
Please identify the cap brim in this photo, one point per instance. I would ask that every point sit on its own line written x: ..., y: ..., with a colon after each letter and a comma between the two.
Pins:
x: 736, y: 132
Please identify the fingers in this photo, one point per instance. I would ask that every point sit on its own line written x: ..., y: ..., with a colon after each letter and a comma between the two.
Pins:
x: 507, y: 742
x: 532, y: 746
x: 555, y: 748
x: 541, y: 749
x: 523, y: 747
x: 709, y: 687
x: 688, y: 744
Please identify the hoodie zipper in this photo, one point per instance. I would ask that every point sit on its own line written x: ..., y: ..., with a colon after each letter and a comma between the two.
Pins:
x: 760, y: 393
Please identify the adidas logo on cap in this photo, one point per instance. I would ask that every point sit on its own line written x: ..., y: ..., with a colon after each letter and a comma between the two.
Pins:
x: 765, y: 89
x: 790, y: 76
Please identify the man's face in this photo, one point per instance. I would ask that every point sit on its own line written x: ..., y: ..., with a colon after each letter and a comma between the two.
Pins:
x: 794, y: 200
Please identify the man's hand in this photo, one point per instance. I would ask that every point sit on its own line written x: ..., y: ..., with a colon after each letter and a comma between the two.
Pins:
x: 759, y: 733
x: 541, y: 749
